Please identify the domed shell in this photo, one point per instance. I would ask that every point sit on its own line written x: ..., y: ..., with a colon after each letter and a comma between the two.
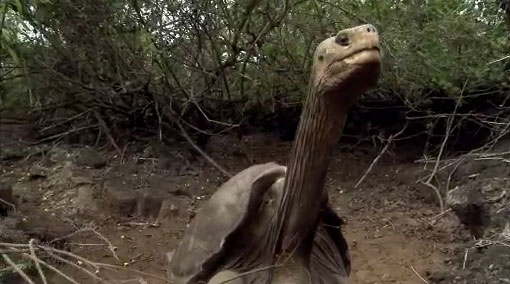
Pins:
x: 202, y: 244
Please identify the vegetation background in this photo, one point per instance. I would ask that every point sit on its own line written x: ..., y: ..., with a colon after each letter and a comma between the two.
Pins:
x: 114, y: 71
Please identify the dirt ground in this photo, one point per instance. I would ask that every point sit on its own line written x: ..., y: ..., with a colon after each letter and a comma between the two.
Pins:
x: 393, y: 228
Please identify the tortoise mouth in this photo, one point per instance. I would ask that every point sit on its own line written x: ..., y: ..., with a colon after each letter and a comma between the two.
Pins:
x: 364, y: 55
x: 367, y: 55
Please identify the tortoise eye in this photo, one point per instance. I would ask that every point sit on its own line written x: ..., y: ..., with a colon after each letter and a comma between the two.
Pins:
x: 321, y: 57
x: 342, y: 39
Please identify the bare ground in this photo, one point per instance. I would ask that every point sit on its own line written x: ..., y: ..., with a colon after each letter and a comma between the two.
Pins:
x: 393, y: 227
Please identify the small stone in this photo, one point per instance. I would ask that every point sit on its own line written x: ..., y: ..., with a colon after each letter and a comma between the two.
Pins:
x: 469, y: 206
x: 84, y: 202
x: 173, y: 208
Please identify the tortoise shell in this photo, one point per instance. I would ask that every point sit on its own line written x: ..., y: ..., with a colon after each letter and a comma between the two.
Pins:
x: 232, y: 231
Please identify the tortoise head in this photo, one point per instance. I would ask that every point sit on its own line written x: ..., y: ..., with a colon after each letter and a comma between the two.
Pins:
x: 347, y: 64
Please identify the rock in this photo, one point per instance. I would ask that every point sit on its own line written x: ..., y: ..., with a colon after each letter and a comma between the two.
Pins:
x: 438, y: 276
x: 426, y: 193
x: 469, y: 170
x: 150, y: 200
x: 89, y: 157
x: 128, y: 168
x: 56, y: 155
x: 26, y: 193
x: 37, y: 172
x: 469, y: 206
x: 162, y: 183
x: 43, y: 226
x: 6, y: 198
x: 167, y: 184
x: 119, y: 197
x: 13, y: 153
x: 84, y: 203
x: 9, y: 231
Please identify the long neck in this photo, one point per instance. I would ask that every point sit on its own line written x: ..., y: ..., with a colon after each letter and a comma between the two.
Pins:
x: 319, y: 129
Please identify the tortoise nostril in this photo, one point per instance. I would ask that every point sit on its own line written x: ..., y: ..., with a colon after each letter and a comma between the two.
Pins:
x: 371, y: 29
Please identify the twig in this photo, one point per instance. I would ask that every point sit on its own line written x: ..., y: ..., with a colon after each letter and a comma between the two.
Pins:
x: 250, y: 272
x: 207, y: 117
x: 70, y: 263
x: 54, y: 269
x: 438, y: 194
x: 498, y: 60
x: 20, y: 248
x: 448, y: 182
x: 207, y: 157
x: 441, y: 150
x: 67, y: 133
x: 160, y: 132
x: 389, y: 141
x: 465, y: 259
x: 8, y: 204
x: 419, y: 276
x: 68, y: 236
x: 440, y: 215
x: 36, y: 261
x: 105, y: 128
x: 84, y: 260
x: 65, y: 121
x: 17, y: 269
x: 110, y: 246
x: 35, y: 258
x: 111, y: 267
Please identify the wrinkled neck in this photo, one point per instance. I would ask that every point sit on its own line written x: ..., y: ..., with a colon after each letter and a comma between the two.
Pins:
x: 319, y: 129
